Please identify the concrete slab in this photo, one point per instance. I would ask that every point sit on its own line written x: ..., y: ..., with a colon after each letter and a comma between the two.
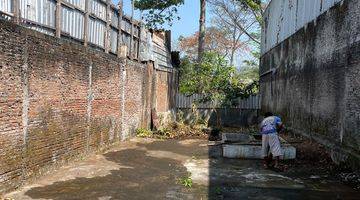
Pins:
x: 153, y: 169
x: 240, y: 145
x: 236, y: 137
x: 253, y: 151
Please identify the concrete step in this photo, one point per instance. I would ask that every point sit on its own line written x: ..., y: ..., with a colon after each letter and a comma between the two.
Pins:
x: 253, y: 151
x: 236, y: 137
x: 246, y: 146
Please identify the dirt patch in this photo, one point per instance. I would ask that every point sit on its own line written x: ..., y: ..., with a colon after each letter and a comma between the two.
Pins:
x: 315, y: 157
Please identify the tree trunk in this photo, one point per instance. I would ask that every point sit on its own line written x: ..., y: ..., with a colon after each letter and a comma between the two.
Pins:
x: 202, y: 30
x: 233, y: 46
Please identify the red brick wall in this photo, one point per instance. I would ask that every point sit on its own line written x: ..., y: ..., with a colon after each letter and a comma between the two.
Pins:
x: 59, y: 99
x: 11, y: 134
x: 134, y: 89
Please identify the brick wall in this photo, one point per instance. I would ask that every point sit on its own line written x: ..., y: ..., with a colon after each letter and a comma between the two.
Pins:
x: 316, y: 84
x: 59, y: 99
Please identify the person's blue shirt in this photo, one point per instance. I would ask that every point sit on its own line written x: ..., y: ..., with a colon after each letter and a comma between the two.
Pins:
x: 269, y: 125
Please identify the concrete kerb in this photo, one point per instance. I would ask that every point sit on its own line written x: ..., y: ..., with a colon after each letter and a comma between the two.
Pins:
x: 246, y: 146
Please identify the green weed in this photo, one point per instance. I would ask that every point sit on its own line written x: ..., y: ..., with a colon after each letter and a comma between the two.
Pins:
x: 144, y: 133
x: 186, y: 181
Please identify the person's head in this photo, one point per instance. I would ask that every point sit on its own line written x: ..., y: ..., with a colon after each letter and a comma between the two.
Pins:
x: 268, y: 114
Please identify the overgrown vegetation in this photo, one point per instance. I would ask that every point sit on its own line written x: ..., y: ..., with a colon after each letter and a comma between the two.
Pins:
x: 215, y: 79
x: 196, y: 127
x: 143, y: 132
x: 218, y: 83
x: 174, y: 130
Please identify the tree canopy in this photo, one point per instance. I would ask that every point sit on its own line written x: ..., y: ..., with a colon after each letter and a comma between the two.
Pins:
x: 158, y: 12
x: 214, y: 79
x: 216, y: 40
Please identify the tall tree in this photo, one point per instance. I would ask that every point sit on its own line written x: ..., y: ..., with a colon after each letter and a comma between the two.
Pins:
x: 246, y: 15
x: 216, y: 40
x: 201, y: 46
x: 231, y: 31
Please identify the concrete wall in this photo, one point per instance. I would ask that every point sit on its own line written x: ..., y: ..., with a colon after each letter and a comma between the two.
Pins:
x: 59, y: 100
x: 312, y: 80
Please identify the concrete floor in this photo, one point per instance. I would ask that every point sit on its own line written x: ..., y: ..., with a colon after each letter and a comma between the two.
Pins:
x: 151, y: 169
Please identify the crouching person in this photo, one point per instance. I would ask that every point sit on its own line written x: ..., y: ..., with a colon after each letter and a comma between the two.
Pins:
x: 269, y: 128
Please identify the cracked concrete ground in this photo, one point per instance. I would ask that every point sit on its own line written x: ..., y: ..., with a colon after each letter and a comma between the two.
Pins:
x: 151, y: 169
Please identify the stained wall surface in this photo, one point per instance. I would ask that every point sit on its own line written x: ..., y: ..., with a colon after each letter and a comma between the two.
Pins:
x: 59, y: 100
x: 312, y: 80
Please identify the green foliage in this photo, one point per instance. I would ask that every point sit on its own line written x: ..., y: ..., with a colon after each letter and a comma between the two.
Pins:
x: 186, y: 181
x: 163, y: 132
x: 253, y: 4
x: 218, y: 191
x: 158, y: 12
x: 173, y: 130
x: 180, y: 117
x: 250, y: 70
x: 218, y: 82
x: 208, y: 77
x: 249, y: 73
x: 256, y: 6
x: 143, y: 132
x: 156, y: 4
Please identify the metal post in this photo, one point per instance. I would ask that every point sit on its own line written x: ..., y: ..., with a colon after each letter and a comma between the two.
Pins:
x: 107, y: 31
x: 119, y: 38
x: 141, y: 31
x: 16, y: 11
x: 58, y: 19
x: 139, y: 40
x: 86, y: 23
x: 132, y: 29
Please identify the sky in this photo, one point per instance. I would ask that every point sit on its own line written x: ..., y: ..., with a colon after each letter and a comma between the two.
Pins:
x: 189, y: 14
x: 187, y: 25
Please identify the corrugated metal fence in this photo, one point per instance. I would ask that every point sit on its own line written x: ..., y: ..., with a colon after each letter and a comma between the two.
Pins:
x: 93, y: 22
x: 182, y: 101
x: 283, y: 18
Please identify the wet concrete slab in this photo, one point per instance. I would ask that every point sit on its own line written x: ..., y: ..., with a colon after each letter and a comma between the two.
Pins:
x: 152, y: 169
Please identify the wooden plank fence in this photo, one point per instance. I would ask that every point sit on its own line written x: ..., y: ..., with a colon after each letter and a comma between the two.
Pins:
x: 182, y: 101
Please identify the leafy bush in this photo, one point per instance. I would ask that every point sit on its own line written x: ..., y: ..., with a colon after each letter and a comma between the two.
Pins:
x: 143, y: 132
x: 163, y: 132
x: 219, y: 83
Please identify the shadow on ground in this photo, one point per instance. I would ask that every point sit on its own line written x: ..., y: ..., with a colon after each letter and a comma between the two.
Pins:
x: 244, y: 179
x: 145, y: 177
x: 153, y: 170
